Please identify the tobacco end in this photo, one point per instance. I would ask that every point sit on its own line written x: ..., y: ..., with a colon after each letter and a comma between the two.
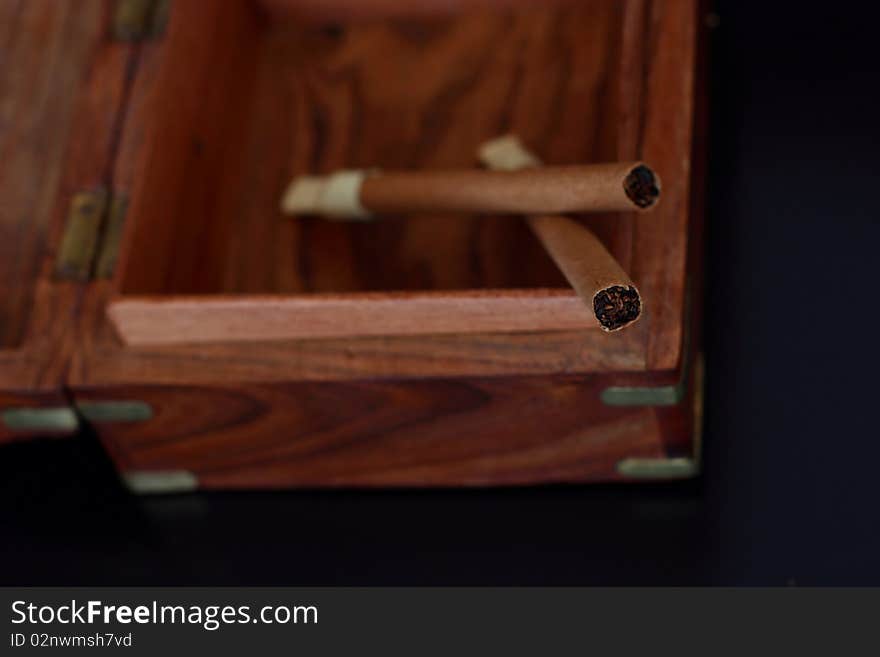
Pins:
x: 642, y: 186
x: 617, y: 306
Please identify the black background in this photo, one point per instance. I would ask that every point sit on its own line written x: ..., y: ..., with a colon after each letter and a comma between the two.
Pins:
x: 792, y: 460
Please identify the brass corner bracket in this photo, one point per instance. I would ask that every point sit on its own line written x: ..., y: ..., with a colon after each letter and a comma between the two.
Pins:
x: 159, y: 482
x: 115, y: 411
x: 49, y: 419
x: 678, y: 467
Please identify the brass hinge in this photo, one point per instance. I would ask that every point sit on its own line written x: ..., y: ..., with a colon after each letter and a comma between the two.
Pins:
x: 81, y: 235
x: 90, y: 245
x: 138, y: 20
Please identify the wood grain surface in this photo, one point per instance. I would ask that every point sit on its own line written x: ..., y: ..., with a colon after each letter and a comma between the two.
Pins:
x: 204, y: 165
x: 463, y: 432
x: 417, y: 94
x: 232, y: 318
x: 666, y: 142
x: 180, y: 161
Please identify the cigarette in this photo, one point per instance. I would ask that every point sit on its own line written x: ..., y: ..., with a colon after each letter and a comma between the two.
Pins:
x: 361, y: 195
x: 587, y: 265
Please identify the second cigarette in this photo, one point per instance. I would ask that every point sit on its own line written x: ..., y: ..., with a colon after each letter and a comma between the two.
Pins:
x: 612, y: 187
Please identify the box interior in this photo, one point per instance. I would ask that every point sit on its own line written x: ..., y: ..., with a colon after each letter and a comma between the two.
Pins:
x: 245, y: 96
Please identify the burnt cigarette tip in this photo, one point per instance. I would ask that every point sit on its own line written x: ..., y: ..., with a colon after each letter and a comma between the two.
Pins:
x: 642, y: 186
x: 616, y: 306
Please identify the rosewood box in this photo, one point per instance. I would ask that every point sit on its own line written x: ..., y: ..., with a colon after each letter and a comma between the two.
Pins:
x: 153, y: 289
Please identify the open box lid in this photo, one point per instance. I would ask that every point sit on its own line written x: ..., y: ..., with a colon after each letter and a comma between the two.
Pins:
x: 63, y: 87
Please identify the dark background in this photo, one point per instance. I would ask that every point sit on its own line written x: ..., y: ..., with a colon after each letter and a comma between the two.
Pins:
x: 792, y: 449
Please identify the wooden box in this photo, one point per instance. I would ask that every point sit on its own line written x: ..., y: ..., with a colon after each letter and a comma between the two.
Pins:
x: 153, y: 289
